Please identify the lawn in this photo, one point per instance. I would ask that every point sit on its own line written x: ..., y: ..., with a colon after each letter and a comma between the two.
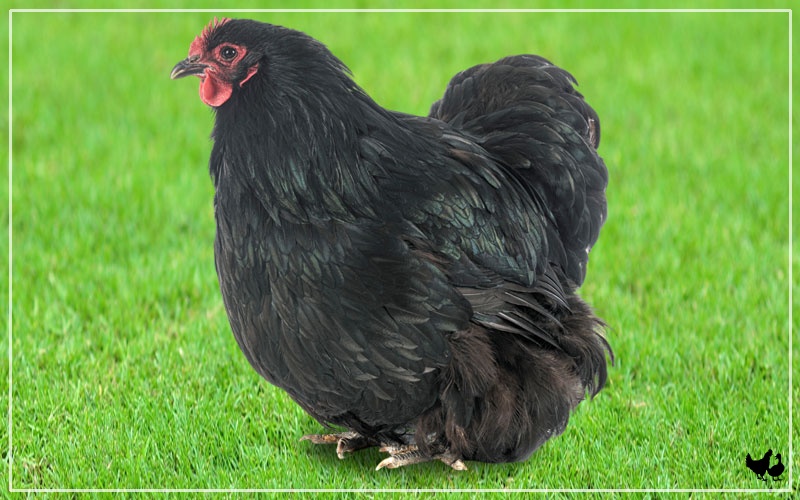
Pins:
x: 126, y: 375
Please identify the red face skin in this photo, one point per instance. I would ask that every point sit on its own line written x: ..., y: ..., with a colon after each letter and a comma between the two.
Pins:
x: 216, y: 82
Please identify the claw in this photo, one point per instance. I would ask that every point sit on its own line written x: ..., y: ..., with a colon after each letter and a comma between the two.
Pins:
x: 389, y: 463
x: 457, y: 465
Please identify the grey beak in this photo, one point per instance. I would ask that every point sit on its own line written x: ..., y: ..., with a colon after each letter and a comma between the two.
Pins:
x: 187, y: 67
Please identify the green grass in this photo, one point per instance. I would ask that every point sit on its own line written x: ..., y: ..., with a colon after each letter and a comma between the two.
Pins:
x: 126, y: 375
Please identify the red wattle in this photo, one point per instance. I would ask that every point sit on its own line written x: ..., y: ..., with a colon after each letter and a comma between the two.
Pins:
x: 213, y: 92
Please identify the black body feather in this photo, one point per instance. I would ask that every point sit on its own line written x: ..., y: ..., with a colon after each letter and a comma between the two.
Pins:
x: 411, y: 278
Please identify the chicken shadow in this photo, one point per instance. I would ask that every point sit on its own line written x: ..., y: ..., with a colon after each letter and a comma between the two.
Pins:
x: 762, y: 466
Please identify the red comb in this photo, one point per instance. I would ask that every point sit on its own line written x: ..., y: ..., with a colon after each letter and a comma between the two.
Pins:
x: 214, y: 25
x: 199, y: 43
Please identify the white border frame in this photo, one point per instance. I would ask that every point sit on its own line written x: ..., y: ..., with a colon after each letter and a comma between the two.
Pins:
x: 10, y: 458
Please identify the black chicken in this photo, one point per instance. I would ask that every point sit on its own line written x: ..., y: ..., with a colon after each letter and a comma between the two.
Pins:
x: 760, y: 466
x: 409, y: 279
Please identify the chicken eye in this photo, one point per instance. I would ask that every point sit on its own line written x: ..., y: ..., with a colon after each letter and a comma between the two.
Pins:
x: 228, y: 53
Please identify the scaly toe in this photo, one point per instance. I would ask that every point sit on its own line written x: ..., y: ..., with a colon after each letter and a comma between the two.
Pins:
x: 402, y: 455
x: 346, y: 442
x: 451, y: 460
x: 321, y: 438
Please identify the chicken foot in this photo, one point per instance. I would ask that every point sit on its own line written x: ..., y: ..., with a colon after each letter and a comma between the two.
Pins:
x: 410, y: 454
x: 399, y: 455
x: 346, y: 442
